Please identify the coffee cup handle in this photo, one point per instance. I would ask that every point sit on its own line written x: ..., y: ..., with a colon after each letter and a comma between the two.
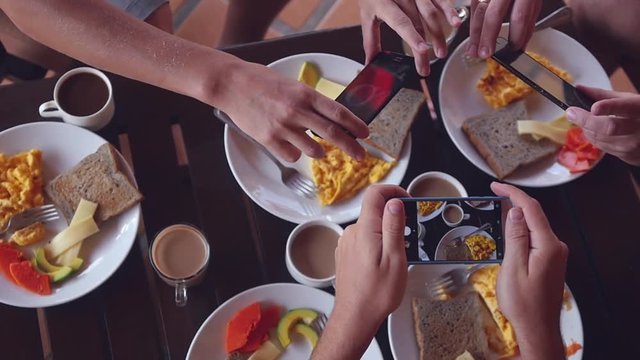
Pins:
x: 181, y: 294
x: 466, y: 217
x: 49, y: 109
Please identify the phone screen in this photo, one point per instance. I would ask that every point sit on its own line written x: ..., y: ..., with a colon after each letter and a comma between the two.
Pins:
x: 540, y: 78
x: 376, y: 84
x: 455, y: 229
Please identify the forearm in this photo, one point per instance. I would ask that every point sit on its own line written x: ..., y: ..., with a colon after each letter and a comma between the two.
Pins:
x: 101, y: 35
x: 346, y: 336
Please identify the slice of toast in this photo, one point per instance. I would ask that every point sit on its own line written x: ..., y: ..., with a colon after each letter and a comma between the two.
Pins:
x: 389, y: 129
x: 495, y: 136
x: 446, y: 329
x: 95, y: 178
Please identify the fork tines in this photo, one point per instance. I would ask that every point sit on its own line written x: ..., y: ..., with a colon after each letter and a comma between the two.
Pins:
x: 42, y: 213
x: 320, y: 323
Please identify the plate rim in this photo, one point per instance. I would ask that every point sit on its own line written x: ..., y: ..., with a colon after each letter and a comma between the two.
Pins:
x: 450, y: 128
x: 135, y: 218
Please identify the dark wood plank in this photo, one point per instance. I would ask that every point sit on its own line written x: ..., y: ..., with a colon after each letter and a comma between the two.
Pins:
x: 19, y: 333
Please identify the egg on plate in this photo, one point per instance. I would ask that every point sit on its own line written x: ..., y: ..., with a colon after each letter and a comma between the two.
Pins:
x: 20, y: 189
x: 339, y: 176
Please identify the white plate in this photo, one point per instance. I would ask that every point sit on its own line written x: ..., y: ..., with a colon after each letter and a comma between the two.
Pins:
x: 63, y: 146
x: 260, y: 178
x: 455, y: 232
x: 401, y: 330
x: 460, y: 100
x: 209, y: 340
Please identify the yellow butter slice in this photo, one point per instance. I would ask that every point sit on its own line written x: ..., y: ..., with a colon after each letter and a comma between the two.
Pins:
x: 540, y: 129
x: 74, y: 234
x: 268, y: 351
x: 85, y: 209
x: 329, y: 88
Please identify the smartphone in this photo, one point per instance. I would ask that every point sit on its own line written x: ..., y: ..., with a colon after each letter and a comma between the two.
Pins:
x: 377, y: 83
x: 539, y: 77
x: 455, y: 229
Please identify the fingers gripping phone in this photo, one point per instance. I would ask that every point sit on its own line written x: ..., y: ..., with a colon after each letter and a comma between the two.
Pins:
x: 376, y: 84
x: 455, y: 229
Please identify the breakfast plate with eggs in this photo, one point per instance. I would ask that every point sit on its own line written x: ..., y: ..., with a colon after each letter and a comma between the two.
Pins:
x: 481, y: 308
x: 461, y: 100
x: 260, y: 178
x: 101, y: 253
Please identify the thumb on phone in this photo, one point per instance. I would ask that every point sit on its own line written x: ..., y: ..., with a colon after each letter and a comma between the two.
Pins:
x: 516, y: 236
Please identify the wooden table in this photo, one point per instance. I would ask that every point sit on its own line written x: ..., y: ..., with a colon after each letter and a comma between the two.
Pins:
x: 133, y: 316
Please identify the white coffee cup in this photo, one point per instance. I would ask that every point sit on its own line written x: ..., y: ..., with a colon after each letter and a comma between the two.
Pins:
x: 292, y: 261
x: 93, y: 121
x: 459, y: 215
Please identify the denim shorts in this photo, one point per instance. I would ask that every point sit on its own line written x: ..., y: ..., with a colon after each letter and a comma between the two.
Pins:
x: 141, y: 9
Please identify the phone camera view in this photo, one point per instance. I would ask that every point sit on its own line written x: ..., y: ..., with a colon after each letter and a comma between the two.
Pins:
x: 376, y: 84
x: 454, y: 229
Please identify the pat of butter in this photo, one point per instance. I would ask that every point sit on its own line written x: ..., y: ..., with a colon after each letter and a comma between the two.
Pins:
x: 268, y: 351
x: 329, y: 88
x: 465, y: 356
x: 85, y: 209
x: 79, y: 230
x: 541, y: 129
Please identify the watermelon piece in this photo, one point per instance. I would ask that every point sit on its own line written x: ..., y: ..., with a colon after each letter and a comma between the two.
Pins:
x: 268, y: 320
x: 28, y: 278
x: 241, y: 325
x: 9, y: 254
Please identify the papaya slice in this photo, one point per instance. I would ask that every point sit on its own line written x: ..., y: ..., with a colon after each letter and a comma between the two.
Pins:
x: 9, y: 254
x: 240, y: 326
x: 28, y: 278
x: 268, y: 320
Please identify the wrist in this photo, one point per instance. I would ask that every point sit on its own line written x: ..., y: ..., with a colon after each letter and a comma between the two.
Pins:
x: 540, y: 342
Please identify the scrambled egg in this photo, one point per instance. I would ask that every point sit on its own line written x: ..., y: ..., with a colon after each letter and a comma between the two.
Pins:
x: 484, y: 282
x: 20, y: 189
x: 500, y: 87
x: 338, y: 176
x: 480, y: 246
x: 427, y: 207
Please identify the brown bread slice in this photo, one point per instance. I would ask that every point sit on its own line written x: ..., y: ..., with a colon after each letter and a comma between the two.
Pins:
x: 389, y: 129
x: 495, y: 136
x: 446, y: 329
x: 95, y: 178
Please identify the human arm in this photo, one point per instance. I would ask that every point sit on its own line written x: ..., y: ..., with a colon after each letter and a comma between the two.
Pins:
x: 531, y: 279
x: 613, y: 124
x: 486, y: 21
x: 371, y: 275
x: 274, y: 110
x: 414, y: 20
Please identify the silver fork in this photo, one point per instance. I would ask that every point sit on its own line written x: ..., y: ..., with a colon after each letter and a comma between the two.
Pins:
x: 31, y: 216
x: 451, y: 283
x: 559, y: 17
x: 290, y: 177
x: 319, y: 323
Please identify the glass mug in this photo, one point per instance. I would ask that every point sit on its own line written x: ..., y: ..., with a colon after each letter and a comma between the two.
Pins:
x: 180, y: 255
x: 450, y: 34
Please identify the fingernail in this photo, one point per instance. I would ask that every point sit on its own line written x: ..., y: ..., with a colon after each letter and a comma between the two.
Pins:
x: 484, y: 52
x: 516, y: 214
x: 571, y: 115
x: 395, y: 207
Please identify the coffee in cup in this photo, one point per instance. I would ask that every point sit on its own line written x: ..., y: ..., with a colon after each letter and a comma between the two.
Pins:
x: 453, y: 215
x: 310, y: 253
x: 82, y: 97
x: 180, y: 255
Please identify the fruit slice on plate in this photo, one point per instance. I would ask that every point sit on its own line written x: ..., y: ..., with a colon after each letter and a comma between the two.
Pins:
x: 290, y: 319
x: 241, y: 326
x: 269, y: 319
x: 9, y: 254
x: 27, y: 277
x: 306, y: 331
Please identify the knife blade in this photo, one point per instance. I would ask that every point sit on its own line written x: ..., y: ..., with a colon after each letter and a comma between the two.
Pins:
x: 539, y: 77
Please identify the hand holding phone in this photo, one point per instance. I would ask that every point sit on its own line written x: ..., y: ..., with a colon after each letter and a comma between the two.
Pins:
x: 376, y: 84
x: 455, y: 229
